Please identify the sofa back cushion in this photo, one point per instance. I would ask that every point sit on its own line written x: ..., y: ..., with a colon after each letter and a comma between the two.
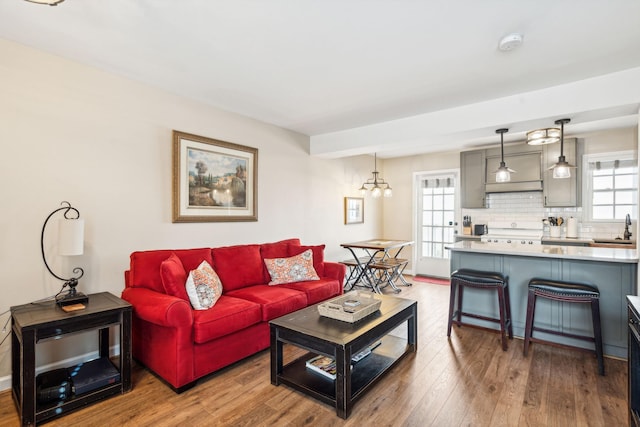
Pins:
x: 238, y: 266
x: 144, y: 270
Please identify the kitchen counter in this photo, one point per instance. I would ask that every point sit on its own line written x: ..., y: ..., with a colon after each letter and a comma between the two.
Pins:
x: 613, y: 271
x: 584, y: 253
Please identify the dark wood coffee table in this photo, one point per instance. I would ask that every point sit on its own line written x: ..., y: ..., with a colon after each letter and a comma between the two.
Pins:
x: 341, y: 340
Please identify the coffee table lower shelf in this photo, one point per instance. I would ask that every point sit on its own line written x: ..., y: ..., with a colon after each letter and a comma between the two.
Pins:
x: 363, y: 373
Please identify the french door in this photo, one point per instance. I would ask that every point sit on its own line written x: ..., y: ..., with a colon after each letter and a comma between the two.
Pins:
x: 436, y: 207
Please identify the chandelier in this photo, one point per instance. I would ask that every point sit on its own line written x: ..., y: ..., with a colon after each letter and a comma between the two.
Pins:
x: 377, y: 185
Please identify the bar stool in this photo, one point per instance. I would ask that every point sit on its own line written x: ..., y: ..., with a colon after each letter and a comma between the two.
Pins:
x: 465, y: 277
x: 566, y: 292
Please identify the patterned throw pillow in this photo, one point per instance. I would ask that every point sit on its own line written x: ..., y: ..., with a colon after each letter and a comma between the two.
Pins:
x: 203, y: 287
x: 293, y: 269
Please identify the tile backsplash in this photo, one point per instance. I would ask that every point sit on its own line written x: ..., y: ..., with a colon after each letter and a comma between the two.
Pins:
x: 528, y: 206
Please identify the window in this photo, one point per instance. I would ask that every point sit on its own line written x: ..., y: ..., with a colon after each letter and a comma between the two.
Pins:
x: 611, y: 186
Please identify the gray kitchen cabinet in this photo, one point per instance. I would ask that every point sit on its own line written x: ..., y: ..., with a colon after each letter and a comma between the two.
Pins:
x: 472, y: 179
x: 561, y: 192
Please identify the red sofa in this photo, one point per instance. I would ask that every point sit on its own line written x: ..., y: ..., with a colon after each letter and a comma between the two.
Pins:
x: 181, y: 344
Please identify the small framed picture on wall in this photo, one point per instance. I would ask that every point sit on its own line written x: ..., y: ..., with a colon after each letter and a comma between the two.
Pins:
x: 353, y: 210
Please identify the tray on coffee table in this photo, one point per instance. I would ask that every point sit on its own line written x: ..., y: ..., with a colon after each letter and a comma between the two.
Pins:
x: 350, y: 307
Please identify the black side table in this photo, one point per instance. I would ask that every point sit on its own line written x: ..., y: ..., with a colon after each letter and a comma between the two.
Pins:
x: 33, y: 323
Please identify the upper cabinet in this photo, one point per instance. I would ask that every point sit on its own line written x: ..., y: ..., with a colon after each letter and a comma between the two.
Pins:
x: 472, y: 166
x: 562, y: 192
x: 531, y: 164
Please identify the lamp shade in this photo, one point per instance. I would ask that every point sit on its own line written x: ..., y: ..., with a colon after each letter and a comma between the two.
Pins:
x: 71, y: 236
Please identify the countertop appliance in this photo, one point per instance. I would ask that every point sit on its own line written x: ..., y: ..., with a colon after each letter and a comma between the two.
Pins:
x: 479, y: 229
x: 520, y: 232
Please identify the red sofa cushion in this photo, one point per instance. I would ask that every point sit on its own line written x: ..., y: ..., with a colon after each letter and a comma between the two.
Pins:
x: 229, y: 315
x: 145, y: 265
x: 317, y: 290
x: 276, y: 250
x: 318, y: 256
x: 174, y: 277
x: 238, y: 266
x: 276, y: 301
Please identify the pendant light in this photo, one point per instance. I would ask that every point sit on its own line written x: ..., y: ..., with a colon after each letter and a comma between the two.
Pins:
x: 378, y: 186
x: 503, y: 174
x: 562, y: 169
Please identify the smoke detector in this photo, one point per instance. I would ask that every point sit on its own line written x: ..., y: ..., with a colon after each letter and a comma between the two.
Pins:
x: 510, y: 42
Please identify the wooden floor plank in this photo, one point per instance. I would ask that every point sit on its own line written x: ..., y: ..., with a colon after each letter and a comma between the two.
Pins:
x: 535, y: 411
x: 510, y: 402
x: 467, y: 380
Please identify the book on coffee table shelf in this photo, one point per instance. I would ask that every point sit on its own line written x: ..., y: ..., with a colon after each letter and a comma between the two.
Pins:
x: 323, y: 365
x: 326, y: 366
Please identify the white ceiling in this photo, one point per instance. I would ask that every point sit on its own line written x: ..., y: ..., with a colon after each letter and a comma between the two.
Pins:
x: 394, y: 76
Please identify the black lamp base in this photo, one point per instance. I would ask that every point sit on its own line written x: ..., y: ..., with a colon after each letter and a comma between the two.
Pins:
x: 72, y: 298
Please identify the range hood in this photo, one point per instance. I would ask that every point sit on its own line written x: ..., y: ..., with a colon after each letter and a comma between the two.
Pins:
x: 528, y: 175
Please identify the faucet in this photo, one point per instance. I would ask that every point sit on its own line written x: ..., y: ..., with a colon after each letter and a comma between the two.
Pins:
x: 627, y: 223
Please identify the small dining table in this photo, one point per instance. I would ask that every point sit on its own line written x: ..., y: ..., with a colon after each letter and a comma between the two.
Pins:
x: 376, y: 263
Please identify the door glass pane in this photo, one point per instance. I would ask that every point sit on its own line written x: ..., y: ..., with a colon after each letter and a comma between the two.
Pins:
x: 427, y: 218
x: 437, y: 201
x: 438, y: 218
x: 426, y: 249
x: 427, y: 202
x: 438, y: 250
x: 449, y: 202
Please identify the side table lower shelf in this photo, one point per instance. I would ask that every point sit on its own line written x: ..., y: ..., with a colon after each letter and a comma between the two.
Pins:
x: 46, y: 411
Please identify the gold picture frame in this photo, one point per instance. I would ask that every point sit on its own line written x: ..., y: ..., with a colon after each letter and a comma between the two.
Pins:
x: 353, y: 210
x: 213, y: 180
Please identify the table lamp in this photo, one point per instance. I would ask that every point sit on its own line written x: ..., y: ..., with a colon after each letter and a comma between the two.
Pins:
x: 70, y: 243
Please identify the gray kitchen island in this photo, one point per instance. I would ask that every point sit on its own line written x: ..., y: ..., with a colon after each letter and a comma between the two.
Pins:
x: 613, y: 271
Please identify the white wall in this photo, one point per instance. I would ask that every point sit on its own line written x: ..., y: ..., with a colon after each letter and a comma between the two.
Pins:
x: 103, y: 143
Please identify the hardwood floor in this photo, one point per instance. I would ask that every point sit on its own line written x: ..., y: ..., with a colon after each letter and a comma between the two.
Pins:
x: 467, y: 381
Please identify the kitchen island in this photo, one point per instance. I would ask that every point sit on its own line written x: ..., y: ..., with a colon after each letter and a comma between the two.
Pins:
x: 613, y: 271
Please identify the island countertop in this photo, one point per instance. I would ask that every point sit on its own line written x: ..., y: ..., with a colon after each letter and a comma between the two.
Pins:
x: 585, y: 253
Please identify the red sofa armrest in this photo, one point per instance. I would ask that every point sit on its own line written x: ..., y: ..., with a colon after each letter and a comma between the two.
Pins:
x: 159, y: 309
x: 335, y: 270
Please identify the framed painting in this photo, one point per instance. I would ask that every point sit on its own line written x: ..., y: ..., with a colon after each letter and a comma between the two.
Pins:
x: 353, y: 210
x: 213, y: 181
